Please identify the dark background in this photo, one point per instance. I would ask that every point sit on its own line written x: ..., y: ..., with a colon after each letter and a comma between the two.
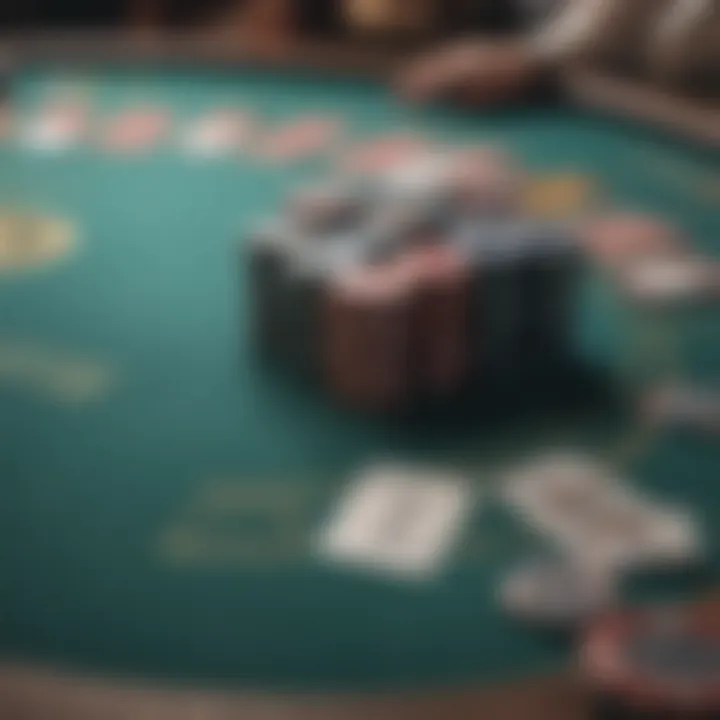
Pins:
x: 314, y: 17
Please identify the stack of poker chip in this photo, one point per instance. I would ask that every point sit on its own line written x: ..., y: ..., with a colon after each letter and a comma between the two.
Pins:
x: 415, y: 287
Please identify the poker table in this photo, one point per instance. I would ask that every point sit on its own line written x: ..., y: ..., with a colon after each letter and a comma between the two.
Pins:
x: 162, y: 491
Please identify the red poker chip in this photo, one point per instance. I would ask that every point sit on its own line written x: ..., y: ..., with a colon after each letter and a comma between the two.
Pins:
x: 622, y: 238
x: 652, y: 660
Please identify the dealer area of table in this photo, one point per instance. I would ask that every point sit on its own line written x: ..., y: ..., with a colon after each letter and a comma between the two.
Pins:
x: 161, y: 494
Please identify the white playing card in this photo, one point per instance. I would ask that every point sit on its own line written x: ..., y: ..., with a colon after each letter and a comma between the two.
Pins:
x: 400, y: 521
x: 531, y: 491
x: 567, y: 498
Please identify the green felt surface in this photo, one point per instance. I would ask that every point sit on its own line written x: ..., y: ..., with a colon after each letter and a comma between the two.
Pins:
x: 166, y: 526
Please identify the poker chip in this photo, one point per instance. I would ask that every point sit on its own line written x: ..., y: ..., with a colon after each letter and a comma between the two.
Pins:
x: 440, y: 318
x: 420, y: 179
x: 657, y: 659
x: 325, y: 208
x: 367, y: 338
x: 621, y: 239
x: 667, y: 280
x: 409, y: 222
x: 555, y: 592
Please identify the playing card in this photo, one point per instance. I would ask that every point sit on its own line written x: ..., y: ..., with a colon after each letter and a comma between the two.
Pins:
x: 300, y: 139
x: 632, y: 530
x: 134, y: 131
x: 399, y: 521
x: 217, y: 134
x: 558, y: 495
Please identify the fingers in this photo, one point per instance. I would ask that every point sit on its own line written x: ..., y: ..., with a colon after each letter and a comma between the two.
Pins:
x: 478, y: 74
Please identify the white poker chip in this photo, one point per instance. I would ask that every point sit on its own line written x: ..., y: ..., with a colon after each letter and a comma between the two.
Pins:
x: 557, y: 592
x: 419, y: 179
x: 670, y: 279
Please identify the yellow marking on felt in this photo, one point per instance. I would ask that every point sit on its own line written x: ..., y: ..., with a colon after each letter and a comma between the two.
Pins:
x: 78, y: 383
x: 211, y: 530
x: 69, y: 380
x: 203, y: 546
x: 230, y: 497
x: 559, y: 195
x: 28, y: 240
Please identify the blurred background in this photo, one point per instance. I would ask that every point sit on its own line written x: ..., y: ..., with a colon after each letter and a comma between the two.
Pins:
x: 359, y: 20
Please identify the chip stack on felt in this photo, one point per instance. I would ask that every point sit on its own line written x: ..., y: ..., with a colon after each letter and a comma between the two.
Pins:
x: 408, y: 288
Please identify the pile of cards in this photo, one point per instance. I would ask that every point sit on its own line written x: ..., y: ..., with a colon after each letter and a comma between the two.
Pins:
x: 591, y: 514
x: 53, y: 375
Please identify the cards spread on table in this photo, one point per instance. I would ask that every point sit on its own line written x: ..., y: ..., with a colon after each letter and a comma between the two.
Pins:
x: 589, y: 512
x: 398, y: 521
